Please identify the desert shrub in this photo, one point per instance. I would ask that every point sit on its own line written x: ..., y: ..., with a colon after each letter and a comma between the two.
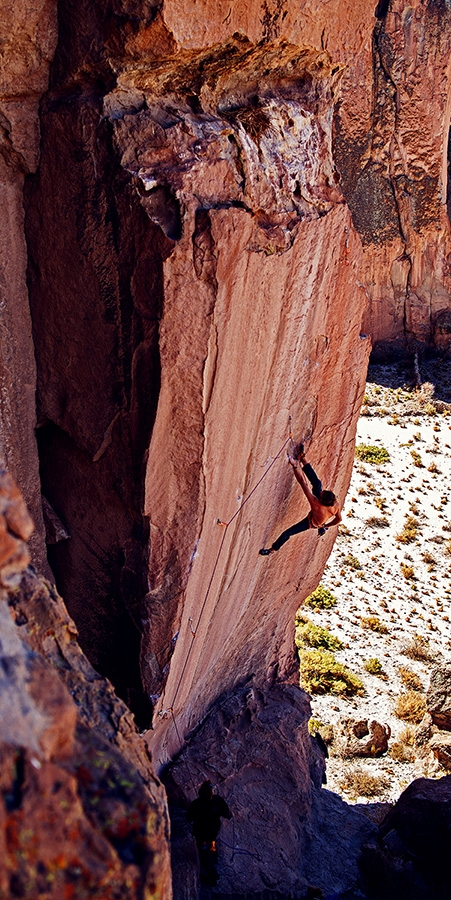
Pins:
x: 407, y: 571
x: 429, y: 409
x: 417, y: 461
x: 410, y: 679
x: 380, y: 502
x: 377, y: 522
x: 324, y: 729
x: 315, y: 636
x: 321, y: 673
x: 399, y: 752
x: 409, y: 531
x: 352, y: 562
x: 313, y: 725
x: 418, y: 648
x: 428, y: 558
x: 321, y: 597
x: 373, y: 623
x: 327, y: 733
x: 407, y: 736
x: 360, y: 783
x: 410, y: 707
x: 374, y: 666
x: 370, y: 454
x: 432, y: 467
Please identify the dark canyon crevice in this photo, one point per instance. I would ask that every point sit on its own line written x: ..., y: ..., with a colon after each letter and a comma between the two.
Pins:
x: 95, y: 283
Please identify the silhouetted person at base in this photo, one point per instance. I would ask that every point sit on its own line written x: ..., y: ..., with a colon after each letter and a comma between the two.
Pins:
x: 205, y: 813
x: 324, y: 509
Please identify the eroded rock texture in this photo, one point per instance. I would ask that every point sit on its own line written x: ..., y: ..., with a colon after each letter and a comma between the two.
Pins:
x: 28, y: 37
x: 81, y: 812
x: 314, y: 838
x: 225, y: 190
x: 392, y: 128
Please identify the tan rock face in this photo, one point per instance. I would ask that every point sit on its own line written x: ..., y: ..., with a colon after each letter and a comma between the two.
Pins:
x: 234, y: 162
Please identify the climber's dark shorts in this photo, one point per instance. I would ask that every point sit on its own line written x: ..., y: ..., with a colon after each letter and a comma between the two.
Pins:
x: 306, y: 523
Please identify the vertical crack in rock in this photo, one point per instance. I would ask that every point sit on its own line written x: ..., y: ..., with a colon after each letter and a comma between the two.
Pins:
x: 95, y: 292
x: 393, y: 173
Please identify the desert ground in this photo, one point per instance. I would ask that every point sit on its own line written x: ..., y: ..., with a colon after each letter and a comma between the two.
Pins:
x: 389, y: 573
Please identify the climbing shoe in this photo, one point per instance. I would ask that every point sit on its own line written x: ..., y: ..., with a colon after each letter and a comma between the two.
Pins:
x: 264, y: 552
x: 321, y: 530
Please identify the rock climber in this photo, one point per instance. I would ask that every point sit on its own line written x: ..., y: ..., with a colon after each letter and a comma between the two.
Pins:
x: 324, y: 508
x: 205, y: 813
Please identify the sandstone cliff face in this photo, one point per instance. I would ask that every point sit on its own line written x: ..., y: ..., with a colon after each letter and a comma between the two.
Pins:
x: 392, y: 127
x: 81, y: 812
x: 209, y: 175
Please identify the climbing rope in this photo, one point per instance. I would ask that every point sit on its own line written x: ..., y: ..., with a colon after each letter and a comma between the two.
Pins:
x: 170, y: 709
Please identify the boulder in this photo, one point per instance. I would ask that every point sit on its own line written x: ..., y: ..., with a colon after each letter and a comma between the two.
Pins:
x: 360, y: 738
x: 410, y: 858
x: 438, y: 697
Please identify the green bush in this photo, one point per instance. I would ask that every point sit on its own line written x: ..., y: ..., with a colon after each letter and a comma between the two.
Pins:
x: 374, y: 666
x: 315, y: 636
x: 320, y: 673
x: 370, y: 454
x: 373, y: 623
x: 352, y: 562
x: 322, y: 598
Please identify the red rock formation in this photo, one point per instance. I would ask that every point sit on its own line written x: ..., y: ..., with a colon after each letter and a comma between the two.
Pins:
x: 392, y: 149
x: 28, y: 39
x: 209, y: 173
x: 81, y: 812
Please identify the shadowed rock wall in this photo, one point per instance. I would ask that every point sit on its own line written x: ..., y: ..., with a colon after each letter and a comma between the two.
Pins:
x: 28, y: 37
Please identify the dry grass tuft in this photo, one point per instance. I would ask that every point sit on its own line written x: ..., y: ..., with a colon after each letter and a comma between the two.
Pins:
x: 428, y: 558
x: 360, y: 783
x: 407, y: 736
x: 352, y: 562
x: 417, y: 461
x: 409, y: 532
x: 418, y: 648
x: 410, y: 707
x: 407, y: 571
x: 377, y: 522
x: 409, y: 679
x: 399, y: 752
